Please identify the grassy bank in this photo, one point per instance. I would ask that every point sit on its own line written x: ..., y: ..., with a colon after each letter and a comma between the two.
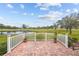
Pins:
x: 3, y: 44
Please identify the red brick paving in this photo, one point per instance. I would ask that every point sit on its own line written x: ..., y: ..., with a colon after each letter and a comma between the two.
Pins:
x: 42, y: 48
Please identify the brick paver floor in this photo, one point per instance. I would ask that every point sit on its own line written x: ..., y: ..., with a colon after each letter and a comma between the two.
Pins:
x: 42, y: 48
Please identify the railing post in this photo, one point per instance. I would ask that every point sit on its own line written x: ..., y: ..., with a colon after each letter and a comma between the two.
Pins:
x: 66, y: 40
x: 45, y: 36
x: 8, y: 44
x: 24, y: 36
x: 35, y: 36
x: 57, y: 37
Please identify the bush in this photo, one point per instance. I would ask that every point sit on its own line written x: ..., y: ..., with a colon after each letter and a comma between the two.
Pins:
x: 71, y: 41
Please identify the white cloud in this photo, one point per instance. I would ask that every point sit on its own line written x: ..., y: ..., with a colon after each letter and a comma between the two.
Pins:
x: 42, y: 5
x: 1, y: 18
x: 68, y: 10
x: 25, y: 14
x: 52, y: 15
x: 56, y: 15
x: 32, y: 14
x: 45, y: 17
x: 75, y: 10
x: 9, y: 5
x: 22, y: 6
x: 55, y: 4
x: 45, y: 6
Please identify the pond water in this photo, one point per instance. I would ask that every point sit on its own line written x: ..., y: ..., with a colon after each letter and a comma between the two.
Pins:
x: 9, y: 33
x: 12, y: 33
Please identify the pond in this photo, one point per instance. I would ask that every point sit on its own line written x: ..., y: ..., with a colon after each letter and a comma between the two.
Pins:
x: 9, y: 33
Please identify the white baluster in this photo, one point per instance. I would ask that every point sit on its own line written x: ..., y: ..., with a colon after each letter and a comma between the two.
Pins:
x: 8, y: 44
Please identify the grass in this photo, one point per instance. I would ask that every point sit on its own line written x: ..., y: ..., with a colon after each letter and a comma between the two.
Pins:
x: 50, y: 36
x: 3, y: 44
x: 30, y: 36
x: 40, y: 36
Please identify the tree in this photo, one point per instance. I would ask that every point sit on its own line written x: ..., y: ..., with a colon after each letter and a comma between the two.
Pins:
x: 69, y: 22
x: 1, y: 26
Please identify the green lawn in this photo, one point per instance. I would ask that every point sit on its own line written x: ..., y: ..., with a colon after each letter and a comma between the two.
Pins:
x: 40, y: 36
x: 30, y: 37
x: 50, y: 36
x: 74, y: 35
x: 3, y: 44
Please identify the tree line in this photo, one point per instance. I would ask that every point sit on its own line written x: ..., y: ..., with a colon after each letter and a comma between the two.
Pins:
x: 2, y: 26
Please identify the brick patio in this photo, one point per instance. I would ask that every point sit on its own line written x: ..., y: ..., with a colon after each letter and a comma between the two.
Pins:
x: 42, y: 48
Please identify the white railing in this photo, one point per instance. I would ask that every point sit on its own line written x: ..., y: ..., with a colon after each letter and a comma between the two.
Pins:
x: 31, y: 36
x: 13, y: 41
x: 45, y: 36
x: 50, y: 36
x: 63, y: 39
x: 39, y: 36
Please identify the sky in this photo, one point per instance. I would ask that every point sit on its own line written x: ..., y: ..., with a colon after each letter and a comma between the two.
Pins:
x: 35, y: 14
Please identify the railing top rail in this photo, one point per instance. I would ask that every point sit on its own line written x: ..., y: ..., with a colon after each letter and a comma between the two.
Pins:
x: 62, y: 34
x: 40, y: 33
x: 45, y: 32
x: 12, y: 36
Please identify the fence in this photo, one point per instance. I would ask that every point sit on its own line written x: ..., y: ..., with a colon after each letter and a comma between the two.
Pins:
x: 63, y: 39
x: 33, y: 36
x: 13, y: 41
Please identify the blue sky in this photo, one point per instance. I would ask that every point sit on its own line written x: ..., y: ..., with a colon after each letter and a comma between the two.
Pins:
x: 35, y: 14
